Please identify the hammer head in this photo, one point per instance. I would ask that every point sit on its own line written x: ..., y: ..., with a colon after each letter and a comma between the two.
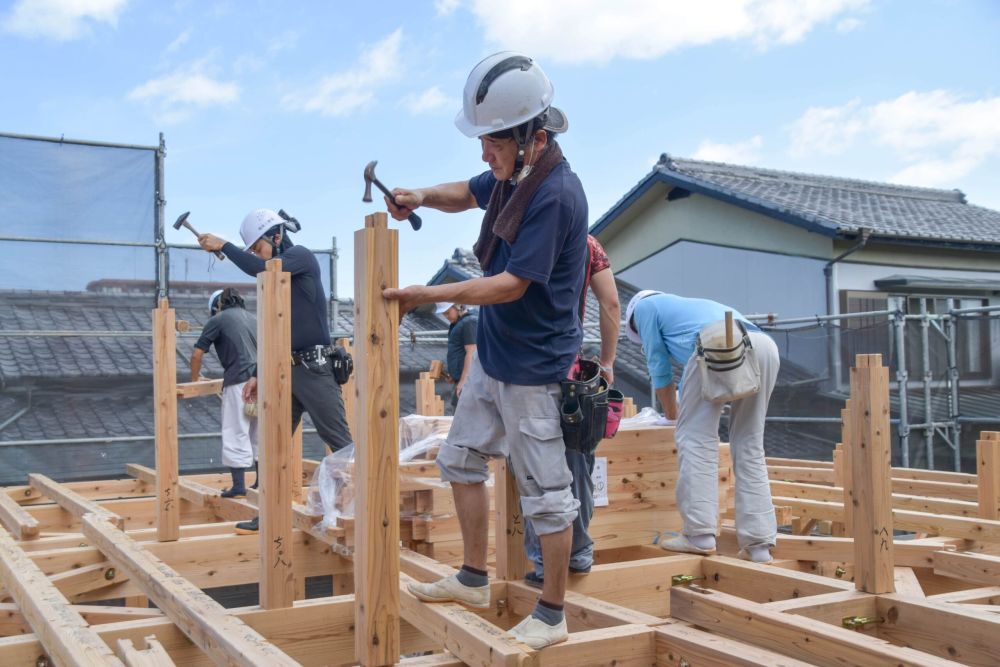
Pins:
x: 369, y: 177
x: 182, y: 219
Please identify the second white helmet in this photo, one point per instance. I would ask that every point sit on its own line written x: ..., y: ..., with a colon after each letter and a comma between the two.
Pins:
x: 630, y: 331
x: 256, y: 223
x: 505, y: 90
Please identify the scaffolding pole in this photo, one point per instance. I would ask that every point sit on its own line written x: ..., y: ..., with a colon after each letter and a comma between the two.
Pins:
x: 903, y: 428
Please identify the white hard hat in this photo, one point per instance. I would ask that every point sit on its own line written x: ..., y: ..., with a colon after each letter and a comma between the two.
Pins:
x: 442, y: 307
x: 256, y: 223
x: 211, y: 301
x: 632, y: 334
x: 505, y: 90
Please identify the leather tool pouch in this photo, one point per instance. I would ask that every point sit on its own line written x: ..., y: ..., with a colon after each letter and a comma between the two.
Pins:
x: 584, y: 408
x: 341, y: 363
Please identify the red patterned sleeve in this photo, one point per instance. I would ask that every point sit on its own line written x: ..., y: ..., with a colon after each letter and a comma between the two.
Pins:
x: 598, y: 257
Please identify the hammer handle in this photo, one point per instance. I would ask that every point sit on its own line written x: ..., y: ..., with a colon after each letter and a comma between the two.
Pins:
x: 414, y: 219
x: 218, y: 253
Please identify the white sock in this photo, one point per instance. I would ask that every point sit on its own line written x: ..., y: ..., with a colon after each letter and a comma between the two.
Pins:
x: 702, y: 541
x: 760, y: 553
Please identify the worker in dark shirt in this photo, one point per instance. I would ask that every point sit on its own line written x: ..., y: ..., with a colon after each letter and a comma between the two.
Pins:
x: 461, y: 343
x: 314, y: 388
x: 233, y: 332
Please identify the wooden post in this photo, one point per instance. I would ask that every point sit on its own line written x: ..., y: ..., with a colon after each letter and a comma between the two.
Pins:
x: 348, y: 392
x: 376, y: 527
x: 274, y: 401
x: 729, y: 329
x: 512, y: 562
x: 427, y: 400
x: 296, y: 464
x: 988, y: 458
x: 848, y: 470
x: 871, y: 475
x: 628, y: 408
x: 168, y: 502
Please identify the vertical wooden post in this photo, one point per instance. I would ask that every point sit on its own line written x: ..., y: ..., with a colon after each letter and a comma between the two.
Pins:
x: 348, y: 392
x: 628, y: 408
x: 729, y: 329
x: 988, y: 458
x: 295, y: 472
x: 847, y: 466
x: 871, y: 473
x: 427, y: 400
x: 376, y: 514
x: 168, y: 500
x: 512, y: 562
x: 274, y: 398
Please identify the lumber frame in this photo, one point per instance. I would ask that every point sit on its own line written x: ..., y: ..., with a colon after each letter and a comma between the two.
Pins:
x: 61, y: 630
x: 274, y: 398
x: 222, y: 636
x: 988, y: 469
x: 199, y: 388
x: 512, y: 562
x: 71, y: 501
x: 165, y: 418
x: 376, y: 555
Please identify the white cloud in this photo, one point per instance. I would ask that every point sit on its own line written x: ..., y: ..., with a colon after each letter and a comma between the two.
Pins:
x: 849, y: 24
x: 61, y: 19
x: 742, y: 152
x: 179, y: 41
x: 446, y: 7
x: 177, y: 95
x: 938, y: 136
x: 596, y: 31
x: 429, y: 101
x: 354, y: 89
x: 257, y: 60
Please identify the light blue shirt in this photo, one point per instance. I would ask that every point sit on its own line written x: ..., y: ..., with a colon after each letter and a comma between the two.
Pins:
x: 668, y: 326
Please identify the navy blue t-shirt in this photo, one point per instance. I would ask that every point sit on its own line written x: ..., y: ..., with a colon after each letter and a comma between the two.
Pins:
x: 309, y: 323
x: 460, y: 334
x: 234, y: 333
x: 533, y: 340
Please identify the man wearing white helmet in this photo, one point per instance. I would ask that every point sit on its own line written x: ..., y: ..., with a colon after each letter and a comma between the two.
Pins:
x: 671, y: 329
x: 532, y: 248
x: 233, y: 332
x: 314, y: 387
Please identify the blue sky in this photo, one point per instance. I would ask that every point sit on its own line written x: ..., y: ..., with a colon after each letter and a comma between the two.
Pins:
x: 281, y: 104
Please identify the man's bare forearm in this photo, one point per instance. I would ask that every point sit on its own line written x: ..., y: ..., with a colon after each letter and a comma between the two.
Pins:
x: 668, y: 400
x: 449, y: 197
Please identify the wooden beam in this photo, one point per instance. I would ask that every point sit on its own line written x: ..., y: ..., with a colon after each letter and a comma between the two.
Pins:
x: 71, y: 501
x: 349, y: 391
x: 224, y: 637
x: 511, y: 560
x: 841, y: 549
x: 815, y: 642
x: 948, y: 631
x: 274, y: 398
x: 871, y: 492
x: 295, y: 465
x: 154, y: 655
x: 988, y: 469
x: 679, y: 644
x: 199, y: 388
x: 977, y: 568
x: 165, y: 418
x: 376, y: 555
x: 16, y: 519
x: 61, y: 630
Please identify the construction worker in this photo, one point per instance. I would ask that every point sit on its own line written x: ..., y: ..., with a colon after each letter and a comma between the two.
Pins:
x: 461, y: 343
x: 669, y: 327
x: 532, y: 248
x: 315, y: 389
x: 233, y: 332
x: 599, y: 278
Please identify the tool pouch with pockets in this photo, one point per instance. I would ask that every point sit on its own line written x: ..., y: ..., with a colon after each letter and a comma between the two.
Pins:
x: 727, y: 373
x: 584, y: 408
x: 341, y: 363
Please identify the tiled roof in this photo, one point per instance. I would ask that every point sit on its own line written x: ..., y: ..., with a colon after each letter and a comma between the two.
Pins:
x: 826, y: 204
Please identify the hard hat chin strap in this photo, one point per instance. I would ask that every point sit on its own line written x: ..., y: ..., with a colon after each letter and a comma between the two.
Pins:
x: 524, y: 136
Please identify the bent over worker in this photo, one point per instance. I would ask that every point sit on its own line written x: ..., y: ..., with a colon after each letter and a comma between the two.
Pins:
x: 314, y: 388
x: 532, y: 248
x: 233, y: 332
x: 668, y: 326
x: 462, y: 325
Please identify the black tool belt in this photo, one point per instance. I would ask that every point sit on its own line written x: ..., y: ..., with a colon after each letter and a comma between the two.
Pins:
x: 584, y: 408
x: 339, y: 359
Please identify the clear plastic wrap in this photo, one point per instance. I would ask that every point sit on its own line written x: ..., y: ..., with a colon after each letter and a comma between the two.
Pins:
x: 331, y: 494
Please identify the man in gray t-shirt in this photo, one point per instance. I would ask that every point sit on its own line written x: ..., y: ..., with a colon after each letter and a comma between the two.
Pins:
x: 233, y: 332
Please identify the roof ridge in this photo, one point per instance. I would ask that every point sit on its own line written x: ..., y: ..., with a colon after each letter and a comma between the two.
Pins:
x: 667, y: 162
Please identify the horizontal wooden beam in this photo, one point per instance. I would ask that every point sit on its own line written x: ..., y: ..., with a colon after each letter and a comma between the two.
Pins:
x: 16, y: 519
x: 908, y: 553
x: 200, y: 388
x: 953, y: 632
x: 679, y: 644
x: 63, y: 633
x: 225, y: 638
x: 71, y: 501
x: 976, y: 568
x: 815, y: 642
